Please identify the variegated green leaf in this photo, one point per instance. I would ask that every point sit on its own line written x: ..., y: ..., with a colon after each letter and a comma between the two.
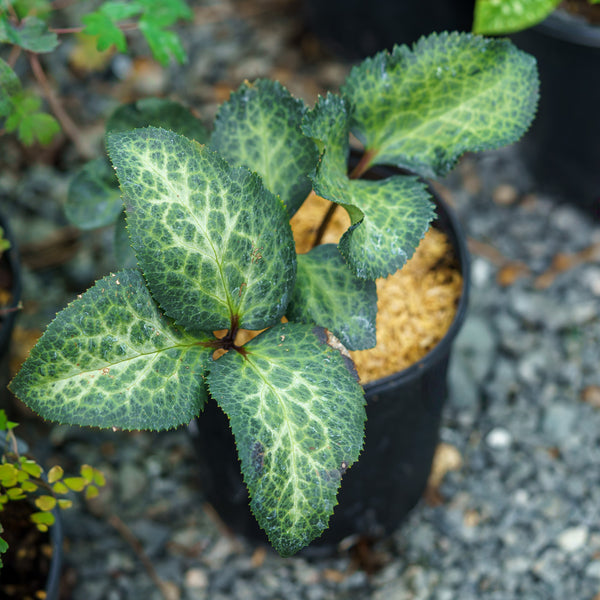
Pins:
x: 259, y: 128
x: 214, y: 244
x: 493, y: 17
x: 329, y: 294
x: 158, y: 112
x: 122, y: 364
x: 297, y: 414
x: 399, y: 205
x: 30, y: 34
x: 94, y: 198
x: 422, y: 108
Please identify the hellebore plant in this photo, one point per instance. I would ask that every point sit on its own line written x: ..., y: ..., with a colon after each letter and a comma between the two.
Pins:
x: 209, y: 225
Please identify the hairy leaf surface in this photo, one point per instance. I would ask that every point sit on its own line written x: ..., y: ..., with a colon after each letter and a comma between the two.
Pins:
x: 259, y: 128
x: 214, y: 244
x: 297, y: 414
x: 421, y: 108
x: 388, y: 217
x: 329, y: 294
x: 122, y: 364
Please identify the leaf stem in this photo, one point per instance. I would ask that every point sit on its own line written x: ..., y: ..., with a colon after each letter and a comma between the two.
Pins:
x: 67, y: 124
x: 360, y: 169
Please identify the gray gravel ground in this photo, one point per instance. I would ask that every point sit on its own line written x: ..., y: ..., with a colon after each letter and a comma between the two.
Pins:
x: 518, y: 515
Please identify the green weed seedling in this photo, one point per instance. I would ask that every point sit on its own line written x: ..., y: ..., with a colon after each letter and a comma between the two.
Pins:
x: 25, y: 26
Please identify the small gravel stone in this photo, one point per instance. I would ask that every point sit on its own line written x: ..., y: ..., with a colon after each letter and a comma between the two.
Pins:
x: 573, y: 539
x: 498, y: 438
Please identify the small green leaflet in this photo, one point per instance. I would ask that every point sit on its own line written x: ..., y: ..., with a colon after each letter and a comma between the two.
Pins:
x: 28, y: 121
x: 154, y: 16
x: 122, y: 363
x: 509, y: 16
x: 297, y: 414
x: 259, y: 128
x: 399, y: 204
x: 422, y: 108
x: 162, y: 43
x: 214, y: 244
x: 94, y: 198
x: 30, y: 34
x: 329, y: 294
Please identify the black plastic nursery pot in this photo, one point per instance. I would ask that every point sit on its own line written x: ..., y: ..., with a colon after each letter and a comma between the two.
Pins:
x: 33, y: 562
x: 10, y: 281
x: 403, y: 417
x: 355, y: 29
x: 562, y: 148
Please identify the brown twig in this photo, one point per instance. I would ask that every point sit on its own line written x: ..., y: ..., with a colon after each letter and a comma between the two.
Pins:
x: 136, y: 546
x: 15, y: 52
x: 67, y: 124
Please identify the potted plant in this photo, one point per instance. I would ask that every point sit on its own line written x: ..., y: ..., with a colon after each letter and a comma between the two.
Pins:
x: 563, y: 146
x: 29, y: 517
x: 145, y: 348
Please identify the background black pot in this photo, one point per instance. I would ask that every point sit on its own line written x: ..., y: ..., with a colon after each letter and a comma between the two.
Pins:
x: 355, y: 29
x: 562, y: 148
x: 403, y: 416
x: 22, y: 568
x: 10, y: 279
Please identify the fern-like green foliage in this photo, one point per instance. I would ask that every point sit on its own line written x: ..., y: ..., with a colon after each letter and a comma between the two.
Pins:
x: 208, y: 221
x: 23, y: 478
x: 24, y: 24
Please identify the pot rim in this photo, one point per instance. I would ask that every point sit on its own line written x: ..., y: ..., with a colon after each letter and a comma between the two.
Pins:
x: 568, y: 28
x: 442, y: 349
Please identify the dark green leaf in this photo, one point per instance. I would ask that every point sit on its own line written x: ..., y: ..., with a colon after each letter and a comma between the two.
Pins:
x: 94, y: 198
x: 9, y: 87
x: 30, y: 34
x: 422, y: 108
x: 329, y: 294
x: 158, y: 112
x: 297, y: 414
x: 259, y: 128
x: 110, y: 359
x: 214, y: 244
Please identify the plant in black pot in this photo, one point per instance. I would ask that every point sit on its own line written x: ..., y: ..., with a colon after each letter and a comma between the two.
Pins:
x: 562, y: 148
x: 30, y: 558
x: 153, y: 347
